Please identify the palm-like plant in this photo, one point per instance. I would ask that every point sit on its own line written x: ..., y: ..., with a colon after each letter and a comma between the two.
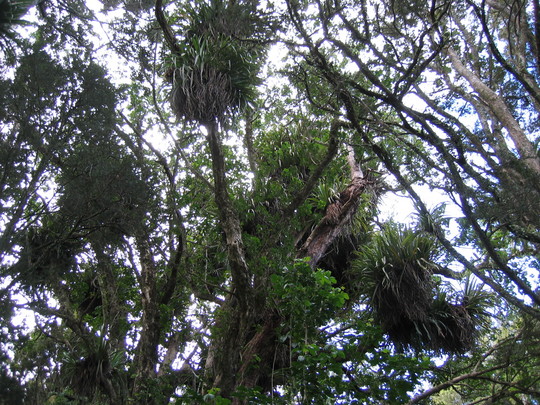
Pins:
x: 395, y: 274
x: 11, y: 12
x: 214, y: 71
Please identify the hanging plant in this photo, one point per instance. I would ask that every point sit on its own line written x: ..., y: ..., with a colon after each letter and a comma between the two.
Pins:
x: 212, y: 78
x: 395, y: 274
x: 454, y: 323
x: 213, y: 72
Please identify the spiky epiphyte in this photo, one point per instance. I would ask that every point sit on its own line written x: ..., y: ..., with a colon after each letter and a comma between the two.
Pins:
x: 11, y: 12
x: 214, y: 73
x: 396, y: 271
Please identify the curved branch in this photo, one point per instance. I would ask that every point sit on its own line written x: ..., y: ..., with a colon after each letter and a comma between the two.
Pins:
x: 317, y: 173
x: 499, y: 108
x: 481, y: 14
x: 167, y: 32
x: 449, y: 383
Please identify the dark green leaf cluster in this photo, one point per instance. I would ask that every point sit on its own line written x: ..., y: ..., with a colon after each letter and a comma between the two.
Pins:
x: 104, y: 193
x: 212, y: 78
x: 11, y: 13
x: 396, y: 274
x: 214, y: 74
x: 307, y: 297
x: 95, y: 370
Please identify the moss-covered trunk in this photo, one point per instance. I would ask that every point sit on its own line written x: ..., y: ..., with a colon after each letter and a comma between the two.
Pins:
x: 245, y: 351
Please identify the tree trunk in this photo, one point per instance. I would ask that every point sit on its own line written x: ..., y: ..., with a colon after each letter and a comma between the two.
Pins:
x: 146, y: 356
x: 113, y: 314
x: 262, y: 354
x: 235, y: 316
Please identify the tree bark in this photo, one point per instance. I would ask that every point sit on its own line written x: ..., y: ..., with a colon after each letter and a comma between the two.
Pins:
x: 146, y: 356
x: 113, y: 313
x: 338, y: 215
x: 230, y: 222
x: 167, y: 32
x: 235, y: 317
x: 499, y: 108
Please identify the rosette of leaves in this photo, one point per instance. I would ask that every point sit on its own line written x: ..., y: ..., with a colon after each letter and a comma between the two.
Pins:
x: 223, y: 17
x: 11, y: 12
x: 396, y: 275
x: 214, y: 73
x: 96, y: 372
x: 212, y: 79
x: 454, y: 324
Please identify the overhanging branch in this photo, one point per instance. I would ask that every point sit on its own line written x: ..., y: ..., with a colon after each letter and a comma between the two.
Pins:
x: 167, y: 32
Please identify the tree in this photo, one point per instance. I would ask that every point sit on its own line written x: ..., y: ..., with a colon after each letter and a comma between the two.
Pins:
x: 400, y: 70
x: 205, y: 229
x: 445, y: 93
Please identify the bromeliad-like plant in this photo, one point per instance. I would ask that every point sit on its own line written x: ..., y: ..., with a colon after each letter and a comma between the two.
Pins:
x: 11, y: 12
x: 214, y: 70
x: 396, y: 275
x: 96, y: 371
x: 212, y: 78
x: 454, y: 324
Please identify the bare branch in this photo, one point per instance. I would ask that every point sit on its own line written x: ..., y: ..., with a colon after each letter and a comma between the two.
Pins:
x: 453, y: 381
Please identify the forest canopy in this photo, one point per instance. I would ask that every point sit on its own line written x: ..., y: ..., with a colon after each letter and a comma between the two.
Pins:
x: 278, y: 202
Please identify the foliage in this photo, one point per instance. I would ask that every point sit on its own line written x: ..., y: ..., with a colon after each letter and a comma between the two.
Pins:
x: 506, y: 369
x: 94, y: 371
x: 395, y: 272
x: 307, y: 297
x: 11, y: 13
x: 214, y: 72
x: 10, y: 388
x: 167, y: 167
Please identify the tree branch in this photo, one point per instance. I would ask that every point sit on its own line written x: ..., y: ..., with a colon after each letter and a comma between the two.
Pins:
x: 167, y: 32
x: 310, y: 184
x: 228, y: 215
x: 528, y: 85
x: 453, y: 381
x: 338, y: 214
x: 499, y: 108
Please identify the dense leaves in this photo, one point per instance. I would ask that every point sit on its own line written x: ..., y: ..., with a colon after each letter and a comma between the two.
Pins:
x: 195, y: 202
x: 11, y: 13
x: 214, y: 69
